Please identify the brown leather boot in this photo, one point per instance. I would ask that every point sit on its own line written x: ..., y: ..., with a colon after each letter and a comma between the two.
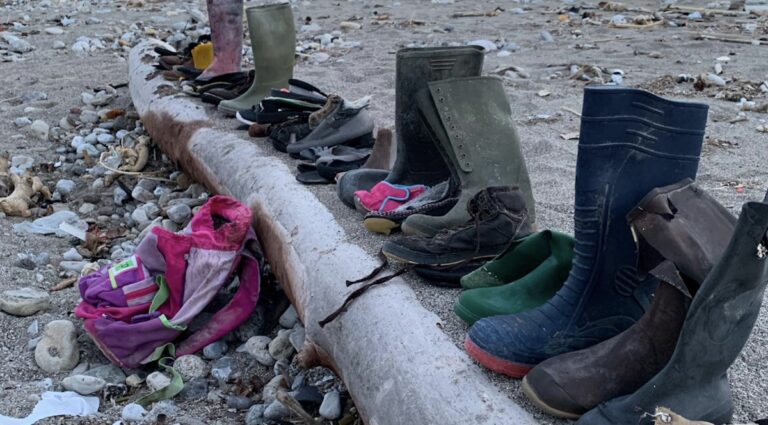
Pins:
x: 681, y: 233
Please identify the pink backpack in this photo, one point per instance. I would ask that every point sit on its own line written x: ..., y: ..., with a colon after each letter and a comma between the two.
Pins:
x: 137, y: 310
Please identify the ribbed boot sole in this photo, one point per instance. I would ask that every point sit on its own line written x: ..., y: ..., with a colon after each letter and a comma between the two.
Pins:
x: 496, y: 364
x: 534, y: 398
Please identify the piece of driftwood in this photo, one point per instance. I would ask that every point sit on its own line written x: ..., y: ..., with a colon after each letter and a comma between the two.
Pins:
x: 730, y: 38
x: 390, y: 352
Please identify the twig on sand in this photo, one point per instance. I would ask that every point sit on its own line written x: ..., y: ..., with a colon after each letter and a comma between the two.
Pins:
x: 703, y: 10
x: 494, y: 12
x: 637, y: 26
x: 64, y: 284
x: 567, y: 109
x: 731, y: 39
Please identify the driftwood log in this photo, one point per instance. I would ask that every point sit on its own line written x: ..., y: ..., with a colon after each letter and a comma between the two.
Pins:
x: 397, y: 364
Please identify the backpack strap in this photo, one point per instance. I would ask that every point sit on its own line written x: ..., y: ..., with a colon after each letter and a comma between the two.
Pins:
x: 237, y: 310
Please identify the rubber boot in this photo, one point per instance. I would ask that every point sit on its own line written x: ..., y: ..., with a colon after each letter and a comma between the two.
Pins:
x: 273, y: 41
x: 226, y: 20
x: 525, y: 293
x: 472, y: 123
x: 418, y: 160
x: 694, y: 383
x: 631, y: 142
x: 681, y: 234
x: 521, y: 258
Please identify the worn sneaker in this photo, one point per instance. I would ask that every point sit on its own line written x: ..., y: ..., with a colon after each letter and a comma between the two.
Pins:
x: 498, y: 217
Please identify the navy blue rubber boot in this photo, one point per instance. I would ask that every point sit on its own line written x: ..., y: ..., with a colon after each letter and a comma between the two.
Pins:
x: 631, y: 142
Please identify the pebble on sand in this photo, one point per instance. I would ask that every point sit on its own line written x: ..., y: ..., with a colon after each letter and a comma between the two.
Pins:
x: 24, y: 301
x: 57, y: 350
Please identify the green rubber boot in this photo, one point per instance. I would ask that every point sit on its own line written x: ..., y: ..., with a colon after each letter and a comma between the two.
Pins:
x: 527, y: 292
x: 471, y: 120
x: 273, y: 41
x: 521, y: 258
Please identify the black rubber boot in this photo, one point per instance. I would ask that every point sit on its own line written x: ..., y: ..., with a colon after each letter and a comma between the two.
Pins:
x: 418, y: 160
x: 695, y: 382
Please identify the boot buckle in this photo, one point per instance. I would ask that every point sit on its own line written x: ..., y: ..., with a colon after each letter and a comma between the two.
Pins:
x: 762, y: 251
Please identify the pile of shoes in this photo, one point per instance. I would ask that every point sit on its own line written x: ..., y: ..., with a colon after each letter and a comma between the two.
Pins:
x: 651, y: 301
x: 645, y: 306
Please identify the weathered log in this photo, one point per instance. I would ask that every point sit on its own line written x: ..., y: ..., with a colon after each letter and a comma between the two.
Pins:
x: 398, y: 365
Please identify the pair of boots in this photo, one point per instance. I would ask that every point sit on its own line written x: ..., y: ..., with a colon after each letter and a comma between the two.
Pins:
x: 675, y: 356
x: 630, y: 143
x: 450, y: 123
x: 273, y: 42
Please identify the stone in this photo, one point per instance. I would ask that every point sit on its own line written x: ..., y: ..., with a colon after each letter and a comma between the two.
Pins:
x: 58, y: 45
x: 24, y: 301
x: 215, y: 396
x: 195, y: 389
x: 72, y: 255
x: 239, y: 403
x: 269, y: 392
x: 487, y: 45
x: 105, y: 138
x: 133, y: 413
x: 289, y: 318
x: 86, y: 208
x: 21, y: 163
x: 257, y: 347
x: 57, y: 350
x: 215, y: 350
x: 16, y: 44
x: 319, y: 57
x: 83, y: 384
x: 89, y: 117
x: 22, y: 122
x: 65, y: 186
x: 276, y: 410
x: 119, y: 196
x: 331, y: 406
x: 142, y: 195
x: 54, y: 31
x: 255, y: 415
x: 73, y: 266
x: 280, y: 348
x: 40, y: 128
x: 191, y: 367
x: 715, y: 80
x: 298, y: 335
x: 221, y: 369
x: 157, y: 381
x: 92, y: 151
x: 134, y: 380
x: 179, y: 213
x: 110, y: 373
x: 546, y: 37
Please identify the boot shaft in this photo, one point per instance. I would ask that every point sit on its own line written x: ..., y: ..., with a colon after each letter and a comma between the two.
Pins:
x: 273, y: 41
x: 631, y: 142
x: 418, y: 161
x: 472, y: 123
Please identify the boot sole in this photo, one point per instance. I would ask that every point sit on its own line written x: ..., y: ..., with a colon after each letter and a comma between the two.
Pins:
x: 380, y: 225
x: 534, y: 398
x: 465, y: 314
x: 496, y: 364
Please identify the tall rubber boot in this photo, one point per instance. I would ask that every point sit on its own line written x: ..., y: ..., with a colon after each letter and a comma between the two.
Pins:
x: 418, y: 160
x: 631, y: 142
x: 694, y: 383
x: 226, y: 19
x: 273, y: 41
x: 681, y: 234
x: 471, y: 121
